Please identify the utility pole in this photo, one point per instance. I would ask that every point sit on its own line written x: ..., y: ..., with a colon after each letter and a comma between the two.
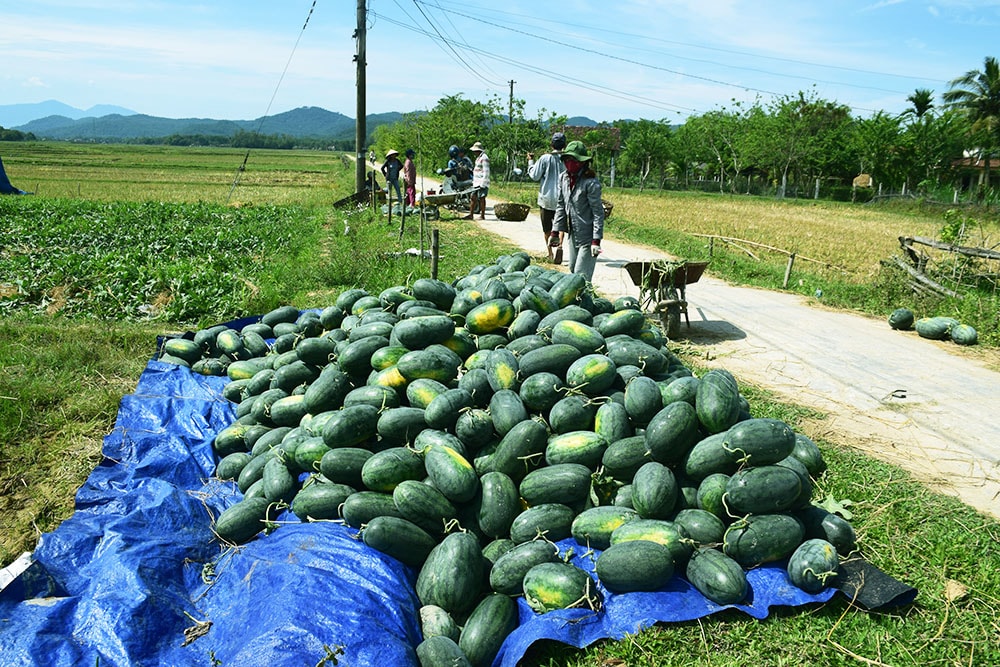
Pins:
x: 360, y: 125
x: 510, y: 107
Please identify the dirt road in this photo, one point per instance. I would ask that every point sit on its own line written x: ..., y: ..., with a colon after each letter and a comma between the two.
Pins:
x: 916, y: 403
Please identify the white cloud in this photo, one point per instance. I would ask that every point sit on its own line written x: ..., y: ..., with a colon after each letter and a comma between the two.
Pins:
x: 881, y: 4
x: 34, y: 82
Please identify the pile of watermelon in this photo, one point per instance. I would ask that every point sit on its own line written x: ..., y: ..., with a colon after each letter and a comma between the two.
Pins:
x: 465, y: 428
x: 934, y: 328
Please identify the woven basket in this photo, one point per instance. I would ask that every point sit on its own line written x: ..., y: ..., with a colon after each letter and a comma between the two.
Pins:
x: 511, y: 211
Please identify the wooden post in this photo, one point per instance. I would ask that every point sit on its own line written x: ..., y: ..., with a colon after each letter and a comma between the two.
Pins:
x: 788, y: 270
x: 422, y: 219
x: 434, y: 252
x: 711, y: 246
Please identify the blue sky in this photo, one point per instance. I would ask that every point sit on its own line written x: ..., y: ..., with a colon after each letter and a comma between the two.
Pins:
x: 657, y: 59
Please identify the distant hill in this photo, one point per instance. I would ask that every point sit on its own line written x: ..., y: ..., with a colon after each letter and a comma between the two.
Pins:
x: 12, y: 115
x: 303, y: 123
x: 57, y: 121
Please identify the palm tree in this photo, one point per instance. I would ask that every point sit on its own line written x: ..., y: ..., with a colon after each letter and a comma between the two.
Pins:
x: 922, y: 101
x: 977, y: 94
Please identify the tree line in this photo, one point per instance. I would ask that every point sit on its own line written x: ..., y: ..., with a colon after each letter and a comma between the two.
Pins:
x: 795, y: 145
x: 246, y: 139
x: 16, y: 135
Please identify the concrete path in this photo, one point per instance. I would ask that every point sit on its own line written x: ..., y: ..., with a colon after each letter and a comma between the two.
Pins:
x: 916, y: 403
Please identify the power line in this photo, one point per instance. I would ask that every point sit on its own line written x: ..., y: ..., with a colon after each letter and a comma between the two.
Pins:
x: 687, y: 45
x: 243, y: 165
x: 629, y: 61
x: 454, y: 29
x: 455, y: 55
x: 668, y: 70
x: 557, y: 76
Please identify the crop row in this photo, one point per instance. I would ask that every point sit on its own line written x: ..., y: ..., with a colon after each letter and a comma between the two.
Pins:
x: 121, y: 260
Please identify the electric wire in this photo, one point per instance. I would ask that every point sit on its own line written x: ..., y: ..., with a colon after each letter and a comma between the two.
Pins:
x: 629, y: 61
x: 274, y: 95
x: 473, y: 53
x: 456, y: 56
x: 634, y: 36
x: 557, y: 76
x: 671, y: 71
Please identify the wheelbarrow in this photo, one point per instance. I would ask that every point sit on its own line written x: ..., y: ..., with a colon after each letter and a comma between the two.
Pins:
x: 663, y: 288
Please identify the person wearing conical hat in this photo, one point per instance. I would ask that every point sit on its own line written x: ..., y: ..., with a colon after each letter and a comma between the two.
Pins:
x: 579, y: 211
x: 391, y: 168
x: 480, y: 179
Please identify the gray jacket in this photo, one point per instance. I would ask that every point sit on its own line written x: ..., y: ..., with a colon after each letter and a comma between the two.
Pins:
x: 579, y: 210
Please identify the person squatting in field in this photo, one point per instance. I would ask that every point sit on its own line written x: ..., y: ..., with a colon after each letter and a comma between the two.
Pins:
x: 546, y: 172
x: 579, y: 211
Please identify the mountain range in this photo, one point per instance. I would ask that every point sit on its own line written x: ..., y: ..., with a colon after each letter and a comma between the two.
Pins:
x: 123, y: 124
x: 12, y: 115
x: 57, y: 121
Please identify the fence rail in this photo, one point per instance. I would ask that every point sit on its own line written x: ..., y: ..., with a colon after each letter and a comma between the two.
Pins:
x: 740, y: 243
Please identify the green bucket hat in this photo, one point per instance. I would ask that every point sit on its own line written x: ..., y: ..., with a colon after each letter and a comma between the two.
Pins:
x: 577, y: 151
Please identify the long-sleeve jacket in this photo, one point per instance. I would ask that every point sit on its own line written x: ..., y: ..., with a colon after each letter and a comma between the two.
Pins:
x: 579, y: 211
x: 547, y: 171
x: 409, y: 172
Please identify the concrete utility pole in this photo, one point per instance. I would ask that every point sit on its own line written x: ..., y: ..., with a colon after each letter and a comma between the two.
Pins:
x: 360, y: 125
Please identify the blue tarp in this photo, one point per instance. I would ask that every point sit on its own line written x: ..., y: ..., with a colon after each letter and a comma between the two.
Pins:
x: 135, y: 576
x: 6, y: 188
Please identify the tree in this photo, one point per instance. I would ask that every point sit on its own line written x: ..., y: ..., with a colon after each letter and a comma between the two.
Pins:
x: 922, y: 101
x: 646, y: 144
x: 801, y: 133
x: 874, y: 142
x: 930, y: 140
x: 705, y: 131
x: 16, y: 135
x: 454, y: 120
x: 917, y: 135
x: 977, y: 94
x: 687, y: 151
x: 737, y: 134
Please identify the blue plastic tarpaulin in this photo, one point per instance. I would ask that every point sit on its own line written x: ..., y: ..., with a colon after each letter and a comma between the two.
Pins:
x: 137, y: 577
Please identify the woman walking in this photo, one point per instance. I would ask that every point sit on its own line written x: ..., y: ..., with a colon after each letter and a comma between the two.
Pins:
x: 579, y: 211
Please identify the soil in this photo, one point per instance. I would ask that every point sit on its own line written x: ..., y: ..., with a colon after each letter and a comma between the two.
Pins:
x: 928, y: 407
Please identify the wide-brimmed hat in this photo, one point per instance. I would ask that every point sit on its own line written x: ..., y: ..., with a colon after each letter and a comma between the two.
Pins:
x: 477, y: 147
x: 577, y: 151
x: 391, y: 152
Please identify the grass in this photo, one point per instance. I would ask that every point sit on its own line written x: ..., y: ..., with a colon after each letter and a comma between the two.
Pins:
x: 68, y: 360
x: 946, y: 550
x: 171, y: 174
x: 63, y: 378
